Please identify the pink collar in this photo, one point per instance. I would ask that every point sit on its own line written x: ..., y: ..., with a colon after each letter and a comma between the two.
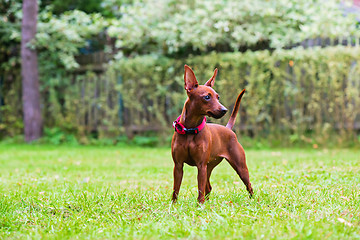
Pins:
x: 181, y: 129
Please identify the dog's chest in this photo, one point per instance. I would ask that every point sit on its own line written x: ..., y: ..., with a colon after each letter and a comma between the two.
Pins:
x: 193, y: 145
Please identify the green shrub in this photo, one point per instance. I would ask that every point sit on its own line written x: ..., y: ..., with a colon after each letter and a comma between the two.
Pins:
x: 145, y: 141
x: 294, y: 97
x: 57, y: 136
x: 291, y: 94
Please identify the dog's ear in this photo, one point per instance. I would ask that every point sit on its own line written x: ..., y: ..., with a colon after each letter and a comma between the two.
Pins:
x: 190, y: 79
x: 211, y: 81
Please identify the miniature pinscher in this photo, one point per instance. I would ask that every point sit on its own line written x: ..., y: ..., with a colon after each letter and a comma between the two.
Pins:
x: 205, y: 145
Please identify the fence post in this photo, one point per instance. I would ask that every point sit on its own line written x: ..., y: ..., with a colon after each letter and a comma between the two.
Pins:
x: 121, y: 103
x: 1, y: 95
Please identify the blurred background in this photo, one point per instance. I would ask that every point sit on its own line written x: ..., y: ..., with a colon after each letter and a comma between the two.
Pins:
x: 111, y: 71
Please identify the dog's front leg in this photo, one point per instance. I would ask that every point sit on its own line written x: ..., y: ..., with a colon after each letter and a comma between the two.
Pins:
x: 202, y: 179
x: 178, y: 175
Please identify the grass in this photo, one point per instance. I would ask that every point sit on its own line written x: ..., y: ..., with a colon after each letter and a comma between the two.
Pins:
x: 53, y: 192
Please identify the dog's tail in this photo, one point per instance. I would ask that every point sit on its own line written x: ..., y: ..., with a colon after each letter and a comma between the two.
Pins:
x: 232, y: 119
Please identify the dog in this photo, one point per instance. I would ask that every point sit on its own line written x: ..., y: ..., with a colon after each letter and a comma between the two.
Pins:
x: 203, y: 145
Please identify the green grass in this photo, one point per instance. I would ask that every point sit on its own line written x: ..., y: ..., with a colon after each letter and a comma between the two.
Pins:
x: 124, y: 193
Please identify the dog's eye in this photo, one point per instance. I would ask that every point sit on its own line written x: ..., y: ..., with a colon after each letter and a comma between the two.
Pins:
x: 207, y: 97
x: 218, y: 97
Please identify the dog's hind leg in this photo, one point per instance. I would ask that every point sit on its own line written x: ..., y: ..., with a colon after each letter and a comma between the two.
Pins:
x: 210, y: 166
x: 237, y: 161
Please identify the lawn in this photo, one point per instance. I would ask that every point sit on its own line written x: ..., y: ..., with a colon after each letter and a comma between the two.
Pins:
x: 61, y: 192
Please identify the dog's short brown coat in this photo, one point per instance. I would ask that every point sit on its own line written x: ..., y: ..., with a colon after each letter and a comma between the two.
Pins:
x: 214, y: 142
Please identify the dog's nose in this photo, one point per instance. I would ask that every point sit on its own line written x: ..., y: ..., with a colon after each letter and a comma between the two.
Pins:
x: 224, y: 110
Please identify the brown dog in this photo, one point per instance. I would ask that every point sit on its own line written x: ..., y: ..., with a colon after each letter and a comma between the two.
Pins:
x: 205, y: 145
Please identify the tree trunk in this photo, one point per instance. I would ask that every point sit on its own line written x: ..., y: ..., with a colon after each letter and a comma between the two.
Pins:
x: 29, y: 72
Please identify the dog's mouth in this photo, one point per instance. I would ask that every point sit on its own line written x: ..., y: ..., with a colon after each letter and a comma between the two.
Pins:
x: 217, y: 116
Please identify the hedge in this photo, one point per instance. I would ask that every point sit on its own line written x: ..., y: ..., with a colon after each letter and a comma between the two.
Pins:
x: 293, y: 96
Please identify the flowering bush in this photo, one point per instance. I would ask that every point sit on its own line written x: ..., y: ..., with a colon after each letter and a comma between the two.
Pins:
x: 59, y: 38
x: 170, y: 26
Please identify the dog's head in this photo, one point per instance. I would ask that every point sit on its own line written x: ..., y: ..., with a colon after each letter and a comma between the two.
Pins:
x: 204, y: 97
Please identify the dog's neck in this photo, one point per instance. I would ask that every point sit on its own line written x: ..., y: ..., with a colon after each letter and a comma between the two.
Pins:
x: 189, y: 116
